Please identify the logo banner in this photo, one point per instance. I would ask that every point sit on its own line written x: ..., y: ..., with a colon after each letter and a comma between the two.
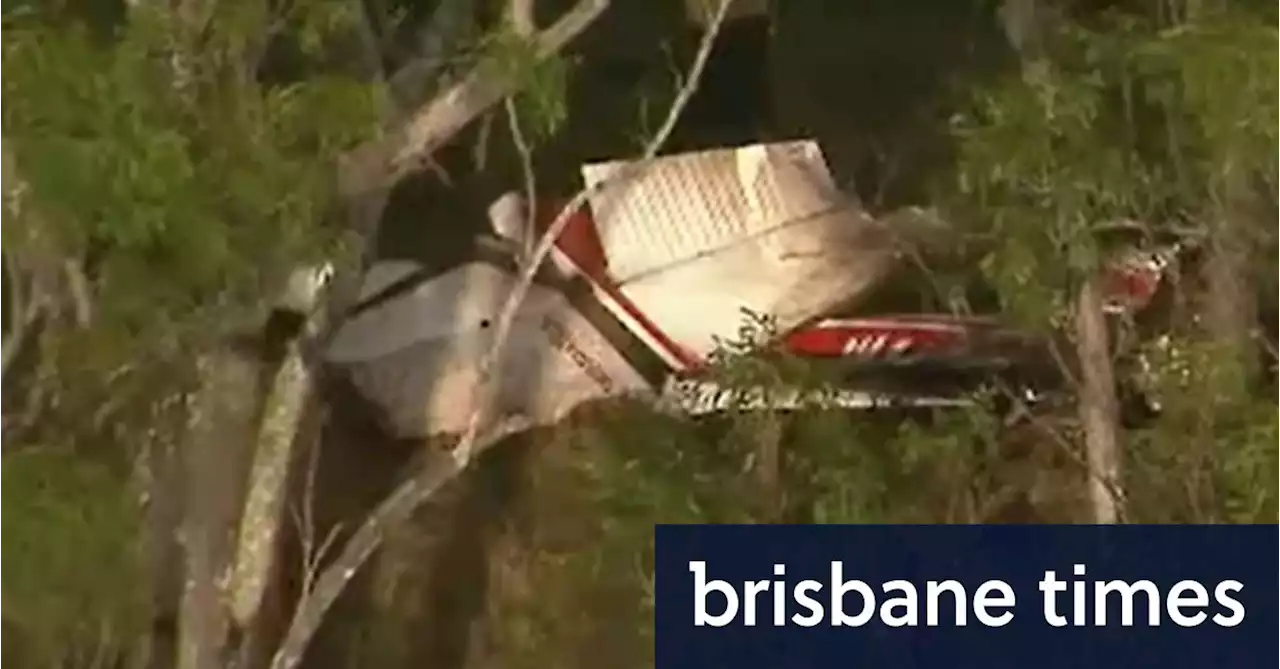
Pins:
x: 780, y: 596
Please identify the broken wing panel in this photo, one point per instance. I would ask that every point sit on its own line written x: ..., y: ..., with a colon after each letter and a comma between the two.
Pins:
x: 418, y: 356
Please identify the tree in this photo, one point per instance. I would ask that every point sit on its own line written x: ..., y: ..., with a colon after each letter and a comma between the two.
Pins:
x: 1118, y: 118
x: 191, y: 232
x: 168, y: 170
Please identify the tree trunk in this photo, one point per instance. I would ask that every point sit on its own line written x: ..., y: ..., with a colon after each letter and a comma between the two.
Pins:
x: 264, y: 514
x: 1098, y: 407
x: 1025, y: 25
x: 216, y: 458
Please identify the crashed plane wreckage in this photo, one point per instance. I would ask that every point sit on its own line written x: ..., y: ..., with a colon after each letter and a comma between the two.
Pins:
x: 641, y: 287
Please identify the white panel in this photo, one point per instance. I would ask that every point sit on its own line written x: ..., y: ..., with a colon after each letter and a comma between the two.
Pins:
x: 453, y: 303
x: 793, y: 273
x: 680, y: 207
x: 418, y: 357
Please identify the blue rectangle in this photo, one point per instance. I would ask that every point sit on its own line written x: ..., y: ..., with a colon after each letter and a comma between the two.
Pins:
x: 1237, y: 628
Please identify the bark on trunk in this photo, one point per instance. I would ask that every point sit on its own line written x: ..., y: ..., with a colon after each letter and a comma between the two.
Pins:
x: 264, y: 507
x: 1026, y: 24
x: 216, y: 457
x: 1098, y: 407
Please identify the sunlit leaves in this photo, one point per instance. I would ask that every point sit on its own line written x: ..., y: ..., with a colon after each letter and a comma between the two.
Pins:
x: 1129, y: 119
x: 196, y: 193
x: 68, y: 522
x: 544, y: 82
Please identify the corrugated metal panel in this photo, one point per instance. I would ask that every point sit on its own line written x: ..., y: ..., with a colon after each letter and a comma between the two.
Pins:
x: 683, y: 206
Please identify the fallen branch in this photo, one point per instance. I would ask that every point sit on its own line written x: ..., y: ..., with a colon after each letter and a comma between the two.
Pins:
x: 401, y: 503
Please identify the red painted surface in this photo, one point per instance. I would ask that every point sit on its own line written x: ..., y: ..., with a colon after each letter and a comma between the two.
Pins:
x: 581, y: 246
x: 877, y: 336
x: 580, y: 241
x: 1132, y: 284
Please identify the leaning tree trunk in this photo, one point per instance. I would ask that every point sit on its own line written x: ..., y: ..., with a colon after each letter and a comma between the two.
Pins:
x: 215, y: 461
x: 1025, y: 24
x: 1098, y: 407
x: 366, y: 176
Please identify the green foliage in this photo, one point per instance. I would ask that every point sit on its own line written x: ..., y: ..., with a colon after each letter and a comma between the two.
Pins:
x: 185, y: 188
x: 1040, y: 165
x: 72, y: 561
x: 195, y: 193
x: 543, y: 83
x: 573, y: 587
x: 1165, y: 125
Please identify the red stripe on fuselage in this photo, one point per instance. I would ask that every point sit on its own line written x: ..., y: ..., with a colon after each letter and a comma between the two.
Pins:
x: 831, y: 338
x: 579, y: 246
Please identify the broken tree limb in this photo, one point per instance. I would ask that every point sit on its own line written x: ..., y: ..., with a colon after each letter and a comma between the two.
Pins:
x: 400, y: 504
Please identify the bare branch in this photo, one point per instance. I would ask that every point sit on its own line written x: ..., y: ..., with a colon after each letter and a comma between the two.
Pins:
x: 450, y: 23
x: 522, y: 22
x: 79, y: 291
x: 25, y: 312
x: 619, y: 179
x: 384, y: 161
x: 304, y: 522
x: 530, y: 180
x: 29, y: 296
x: 520, y: 13
x: 400, y: 504
x: 366, y: 173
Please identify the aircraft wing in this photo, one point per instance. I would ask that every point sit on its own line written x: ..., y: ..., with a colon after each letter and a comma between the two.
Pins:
x: 694, y: 239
